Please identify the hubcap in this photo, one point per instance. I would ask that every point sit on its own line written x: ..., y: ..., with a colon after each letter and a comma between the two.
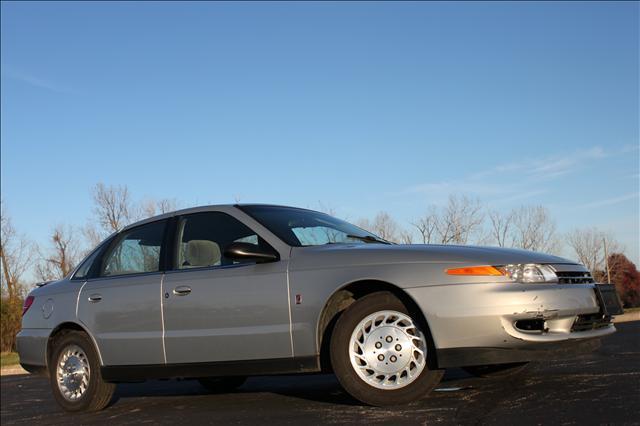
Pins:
x: 387, y: 350
x: 73, y: 373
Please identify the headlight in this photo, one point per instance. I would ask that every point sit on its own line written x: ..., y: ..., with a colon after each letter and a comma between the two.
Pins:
x: 529, y: 273
x: 519, y: 273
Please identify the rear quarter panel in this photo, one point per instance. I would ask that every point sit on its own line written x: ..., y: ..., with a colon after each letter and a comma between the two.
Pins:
x: 53, y: 305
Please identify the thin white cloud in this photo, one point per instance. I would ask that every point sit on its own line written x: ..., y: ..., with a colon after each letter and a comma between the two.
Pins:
x: 610, y: 201
x: 513, y: 181
x: 34, y: 81
x: 521, y: 196
x: 551, y: 168
x: 629, y: 148
x: 558, y: 165
x: 595, y: 152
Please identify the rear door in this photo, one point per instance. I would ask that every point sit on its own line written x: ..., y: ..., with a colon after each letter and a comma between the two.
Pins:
x: 216, y: 309
x: 121, y: 307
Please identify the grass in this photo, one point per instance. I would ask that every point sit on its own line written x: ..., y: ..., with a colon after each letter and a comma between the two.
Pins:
x: 9, y: 359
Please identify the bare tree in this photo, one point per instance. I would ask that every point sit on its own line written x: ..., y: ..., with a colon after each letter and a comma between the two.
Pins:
x: 588, y: 245
x: 63, y: 255
x: 384, y: 226
x: 501, y: 227
x: 406, y: 237
x: 427, y: 225
x: 167, y: 205
x: 459, y: 221
x: 92, y: 235
x: 326, y: 208
x: 147, y: 208
x: 365, y: 224
x: 16, y: 253
x: 456, y: 223
x: 151, y: 207
x: 533, y: 229
x: 113, y: 207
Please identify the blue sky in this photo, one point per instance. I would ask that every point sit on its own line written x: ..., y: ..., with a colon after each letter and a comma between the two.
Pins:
x: 360, y: 106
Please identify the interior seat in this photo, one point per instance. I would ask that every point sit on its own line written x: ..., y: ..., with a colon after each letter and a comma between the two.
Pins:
x: 200, y: 253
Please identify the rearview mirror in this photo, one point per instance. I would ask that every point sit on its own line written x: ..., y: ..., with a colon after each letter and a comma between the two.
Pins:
x: 247, y: 251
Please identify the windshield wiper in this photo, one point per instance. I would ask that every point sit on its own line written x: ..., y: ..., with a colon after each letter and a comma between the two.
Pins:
x: 368, y: 239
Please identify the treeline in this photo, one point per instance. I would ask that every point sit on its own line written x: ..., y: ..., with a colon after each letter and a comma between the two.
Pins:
x: 113, y: 209
x: 462, y: 220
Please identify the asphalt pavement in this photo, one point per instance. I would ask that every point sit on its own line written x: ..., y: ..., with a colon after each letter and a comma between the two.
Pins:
x: 596, y: 388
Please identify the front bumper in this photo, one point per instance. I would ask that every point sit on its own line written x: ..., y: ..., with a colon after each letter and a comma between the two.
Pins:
x: 487, y: 318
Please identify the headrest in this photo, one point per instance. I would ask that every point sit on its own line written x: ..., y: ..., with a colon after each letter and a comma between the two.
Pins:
x: 202, y: 253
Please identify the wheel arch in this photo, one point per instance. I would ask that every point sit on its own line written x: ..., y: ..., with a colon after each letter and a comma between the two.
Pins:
x: 63, y: 328
x: 347, y: 294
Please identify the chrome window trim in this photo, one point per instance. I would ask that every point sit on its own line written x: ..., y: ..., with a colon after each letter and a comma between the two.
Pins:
x: 214, y: 268
x: 113, y: 277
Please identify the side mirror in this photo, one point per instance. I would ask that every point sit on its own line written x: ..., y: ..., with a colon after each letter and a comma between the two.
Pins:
x: 247, y: 251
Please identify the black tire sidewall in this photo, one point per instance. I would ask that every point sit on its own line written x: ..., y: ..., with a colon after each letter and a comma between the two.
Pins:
x: 340, y: 358
x: 81, y: 340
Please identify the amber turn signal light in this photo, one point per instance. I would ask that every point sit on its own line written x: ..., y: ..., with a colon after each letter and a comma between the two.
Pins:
x: 475, y: 270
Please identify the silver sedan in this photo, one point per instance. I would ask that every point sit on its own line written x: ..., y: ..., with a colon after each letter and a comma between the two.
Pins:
x: 219, y: 293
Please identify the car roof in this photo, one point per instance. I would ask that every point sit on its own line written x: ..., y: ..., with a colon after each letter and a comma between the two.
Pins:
x: 204, y: 208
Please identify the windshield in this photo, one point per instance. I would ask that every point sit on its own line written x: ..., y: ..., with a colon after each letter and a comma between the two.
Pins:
x: 299, y: 227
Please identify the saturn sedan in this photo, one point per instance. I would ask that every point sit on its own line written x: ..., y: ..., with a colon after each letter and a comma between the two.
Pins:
x: 219, y: 293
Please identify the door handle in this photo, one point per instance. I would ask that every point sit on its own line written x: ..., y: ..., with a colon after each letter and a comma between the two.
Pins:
x: 94, y: 298
x: 182, y: 290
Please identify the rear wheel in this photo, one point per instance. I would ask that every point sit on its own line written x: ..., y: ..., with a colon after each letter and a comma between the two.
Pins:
x: 222, y: 384
x: 496, y: 370
x: 380, y: 353
x: 74, y: 374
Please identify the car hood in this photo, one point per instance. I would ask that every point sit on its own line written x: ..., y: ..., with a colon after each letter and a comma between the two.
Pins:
x: 415, y: 253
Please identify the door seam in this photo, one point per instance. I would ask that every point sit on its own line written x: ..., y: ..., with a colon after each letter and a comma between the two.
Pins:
x: 289, y: 307
x: 78, y: 299
x: 164, y: 349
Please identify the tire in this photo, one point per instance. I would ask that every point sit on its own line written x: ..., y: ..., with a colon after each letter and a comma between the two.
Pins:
x: 75, y: 350
x: 222, y: 384
x: 401, y: 383
x: 496, y: 370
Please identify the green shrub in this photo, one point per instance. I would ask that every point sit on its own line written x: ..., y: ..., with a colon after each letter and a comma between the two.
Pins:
x: 10, y: 323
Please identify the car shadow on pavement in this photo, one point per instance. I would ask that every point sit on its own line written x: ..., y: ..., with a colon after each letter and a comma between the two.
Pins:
x: 320, y: 388
x: 323, y: 388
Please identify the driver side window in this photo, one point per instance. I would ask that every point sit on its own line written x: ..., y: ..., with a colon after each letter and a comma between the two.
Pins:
x: 203, y: 237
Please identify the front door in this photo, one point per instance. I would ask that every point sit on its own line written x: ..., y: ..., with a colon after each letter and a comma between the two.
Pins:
x: 216, y: 309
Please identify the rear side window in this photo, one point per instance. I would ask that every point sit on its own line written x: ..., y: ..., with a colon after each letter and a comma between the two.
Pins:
x: 136, y: 251
x: 203, y: 237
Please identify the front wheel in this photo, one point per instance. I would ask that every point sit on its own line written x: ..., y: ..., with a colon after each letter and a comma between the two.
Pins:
x: 74, y: 374
x: 379, y: 352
